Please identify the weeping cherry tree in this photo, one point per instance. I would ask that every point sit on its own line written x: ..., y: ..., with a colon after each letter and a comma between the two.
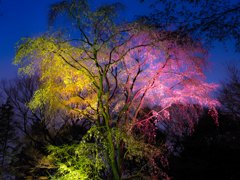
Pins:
x: 109, y: 73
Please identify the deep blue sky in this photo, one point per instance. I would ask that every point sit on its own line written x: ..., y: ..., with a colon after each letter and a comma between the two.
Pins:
x: 28, y: 18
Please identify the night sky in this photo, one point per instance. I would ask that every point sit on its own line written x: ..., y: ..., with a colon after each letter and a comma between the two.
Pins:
x: 28, y: 18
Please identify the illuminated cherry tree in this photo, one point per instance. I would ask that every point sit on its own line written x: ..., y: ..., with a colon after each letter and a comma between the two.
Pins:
x: 110, y: 75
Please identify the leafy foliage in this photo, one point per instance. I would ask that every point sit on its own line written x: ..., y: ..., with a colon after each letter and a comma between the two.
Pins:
x: 85, y: 160
x: 88, y: 158
x: 62, y: 85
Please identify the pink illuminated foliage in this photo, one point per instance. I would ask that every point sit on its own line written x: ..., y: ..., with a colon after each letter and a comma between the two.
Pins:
x: 161, y: 73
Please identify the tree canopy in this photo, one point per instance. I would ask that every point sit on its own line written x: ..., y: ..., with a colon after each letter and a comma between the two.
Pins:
x: 110, y: 73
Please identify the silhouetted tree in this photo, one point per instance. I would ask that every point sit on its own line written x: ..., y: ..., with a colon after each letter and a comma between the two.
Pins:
x: 206, y: 20
x: 229, y: 94
x: 211, y: 152
x: 7, y: 138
